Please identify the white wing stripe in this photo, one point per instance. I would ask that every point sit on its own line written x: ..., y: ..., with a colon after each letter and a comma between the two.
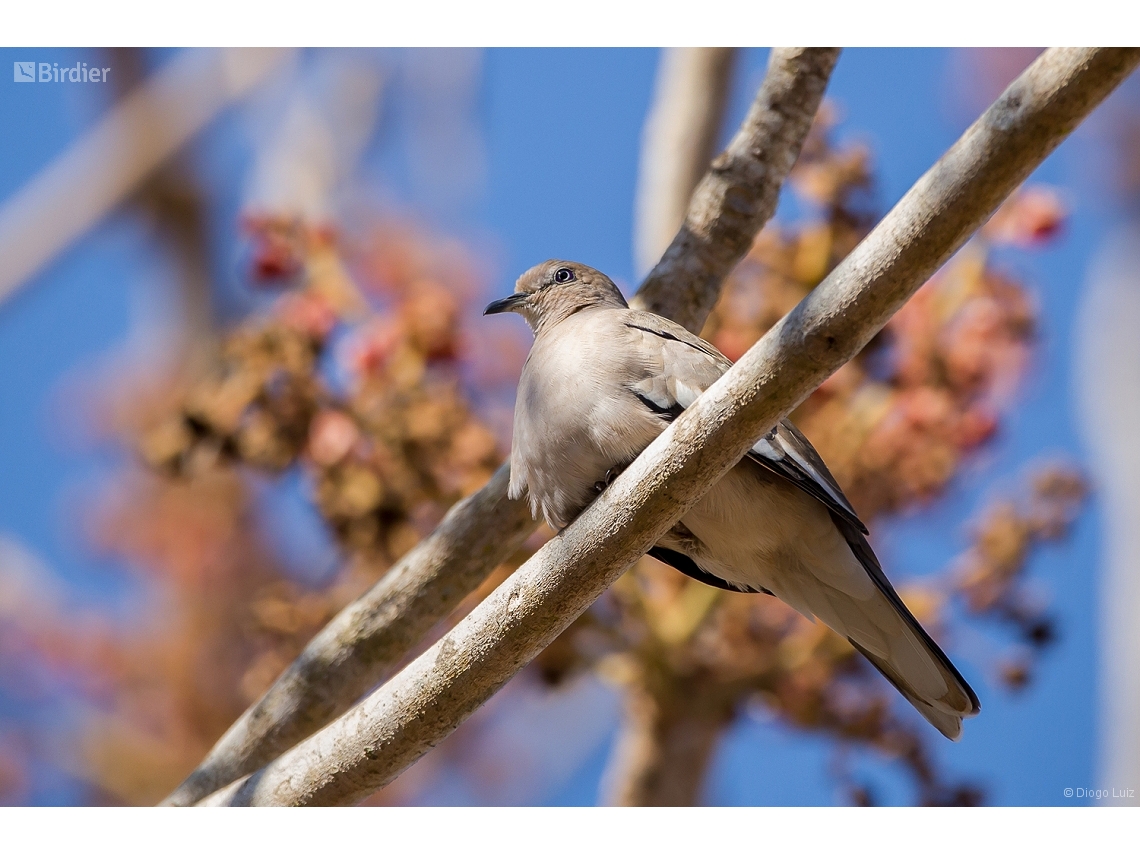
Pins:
x: 815, y: 476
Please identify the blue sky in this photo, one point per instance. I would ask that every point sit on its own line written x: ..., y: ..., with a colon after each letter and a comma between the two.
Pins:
x: 560, y: 132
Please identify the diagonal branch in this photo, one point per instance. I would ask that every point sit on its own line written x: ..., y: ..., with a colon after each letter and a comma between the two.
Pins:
x: 371, y: 635
x: 398, y: 723
x: 108, y: 162
x: 723, y: 221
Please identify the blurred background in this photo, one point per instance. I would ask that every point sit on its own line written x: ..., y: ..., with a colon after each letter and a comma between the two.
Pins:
x: 244, y: 370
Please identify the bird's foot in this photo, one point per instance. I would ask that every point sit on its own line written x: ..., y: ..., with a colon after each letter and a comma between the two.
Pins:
x: 611, y: 473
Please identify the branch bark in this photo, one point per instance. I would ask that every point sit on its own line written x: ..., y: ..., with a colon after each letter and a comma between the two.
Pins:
x: 722, y: 221
x: 398, y: 723
x: 678, y: 141
x: 366, y: 640
x: 670, y: 729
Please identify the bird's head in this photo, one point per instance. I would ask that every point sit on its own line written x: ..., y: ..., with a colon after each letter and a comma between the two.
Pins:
x: 550, y: 292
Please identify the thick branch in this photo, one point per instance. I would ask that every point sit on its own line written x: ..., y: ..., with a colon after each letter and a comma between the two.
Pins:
x: 365, y: 641
x: 725, y: 214
x: 398, y: 723
x: 359, y: 646
x: 677, y: 143
x: 670, y: 729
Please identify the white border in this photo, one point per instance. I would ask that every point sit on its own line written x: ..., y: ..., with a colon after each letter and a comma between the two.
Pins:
x: 603, y: 23
x: 554, y: 831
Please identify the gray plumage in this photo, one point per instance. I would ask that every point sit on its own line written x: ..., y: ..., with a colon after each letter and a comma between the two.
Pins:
x: 603, y: 380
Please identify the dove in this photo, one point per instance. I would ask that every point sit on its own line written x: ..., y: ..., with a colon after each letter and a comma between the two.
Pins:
x: 602, y: 381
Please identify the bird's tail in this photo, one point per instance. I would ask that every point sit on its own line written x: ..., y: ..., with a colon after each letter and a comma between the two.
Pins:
x: 914, y: 664
x: 947, y: 717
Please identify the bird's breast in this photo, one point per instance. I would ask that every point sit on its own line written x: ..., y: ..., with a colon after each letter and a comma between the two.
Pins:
x: 575, y: 421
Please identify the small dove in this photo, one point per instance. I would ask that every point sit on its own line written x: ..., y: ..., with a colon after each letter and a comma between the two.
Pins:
x: 602, y: 381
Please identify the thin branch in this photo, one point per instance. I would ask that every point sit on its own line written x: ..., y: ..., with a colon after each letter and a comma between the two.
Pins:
x: 172, y: 195
x: 107, y: 163
x: 678, y: 141
x: 398, y: 723
x: 722, y: 221
x: 366, y: 640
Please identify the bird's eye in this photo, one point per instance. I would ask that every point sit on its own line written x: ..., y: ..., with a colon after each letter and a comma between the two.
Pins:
x: 563, y: 275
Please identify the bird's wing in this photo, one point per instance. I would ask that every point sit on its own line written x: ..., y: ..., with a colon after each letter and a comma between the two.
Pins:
x: 785, y: 451
x: 688, y: 365
x: 685, y: 564
x: 676, y: 366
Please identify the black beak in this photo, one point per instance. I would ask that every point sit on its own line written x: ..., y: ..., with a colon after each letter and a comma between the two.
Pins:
x: 507, y: 304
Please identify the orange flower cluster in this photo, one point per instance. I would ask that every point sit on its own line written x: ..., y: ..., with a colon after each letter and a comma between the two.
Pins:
x: 388, y: 454
x: 988, y: 576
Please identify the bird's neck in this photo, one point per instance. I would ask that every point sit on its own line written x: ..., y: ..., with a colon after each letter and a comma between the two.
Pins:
x: 549, y: 319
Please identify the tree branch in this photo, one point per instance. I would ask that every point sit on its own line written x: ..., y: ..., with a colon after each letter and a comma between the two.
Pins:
x: 678, y: 141
x: 398, y: 723
x: 108, y: 162
x: 358, y: 647
x: 723, y: 221
x: 366, y: 640
x: 670, y: 728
